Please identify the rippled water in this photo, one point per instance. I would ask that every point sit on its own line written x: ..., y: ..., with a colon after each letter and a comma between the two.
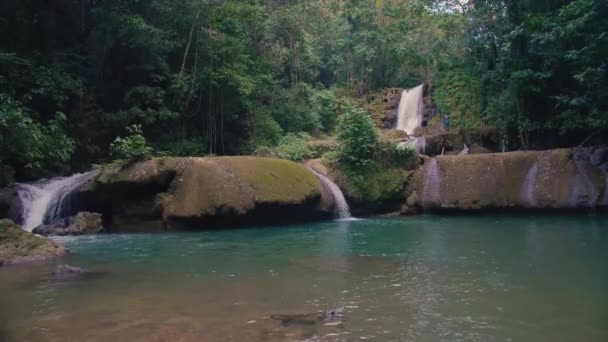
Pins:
x: 430, y: 278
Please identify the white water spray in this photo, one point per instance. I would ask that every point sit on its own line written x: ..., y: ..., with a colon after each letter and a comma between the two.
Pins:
x: 431, y: 189
x: 583, y: 193
x: 417, y: 144
x: 410, y: 109
x: 44, y: 202
x: 342, y: 211
x: 528, y: 189
x: 464, y: 151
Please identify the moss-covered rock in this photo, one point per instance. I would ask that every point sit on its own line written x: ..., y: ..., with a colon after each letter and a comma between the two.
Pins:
x: 19, y: 246
x: 535, y: 179
x: 203, y: 193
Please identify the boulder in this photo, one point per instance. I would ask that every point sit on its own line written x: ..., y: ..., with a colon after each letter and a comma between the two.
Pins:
x: 83, y: 223
x: 19, y: 246
x: 552, y: 179
x: 205, y: 193
x: 10, y: 204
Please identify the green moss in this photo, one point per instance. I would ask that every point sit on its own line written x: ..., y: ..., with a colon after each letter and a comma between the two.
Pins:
x: 274, y: 180
x: 375, y: 185
x: 18, y: 245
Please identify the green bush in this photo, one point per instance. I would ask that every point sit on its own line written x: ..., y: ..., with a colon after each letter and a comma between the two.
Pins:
x: 133, y: 147
x: 357, y: 138
x: 391, y: 155
x: 264, y: 131
x: 458, y: 94
x: 189, y: 147
x: 294, y: 147
x: 29, y: 146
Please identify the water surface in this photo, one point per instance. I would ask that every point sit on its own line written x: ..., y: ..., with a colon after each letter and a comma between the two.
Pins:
x: 492, y: 278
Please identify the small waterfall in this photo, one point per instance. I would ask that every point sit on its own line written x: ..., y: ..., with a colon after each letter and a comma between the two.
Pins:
x: 528, y: 189
x: 417, y: 144
x: 342, y: 211
x: 583, y: 193
x: 431, y: 189
x: 48, y: 201
x: 464, y: 151
x: 410, y: 109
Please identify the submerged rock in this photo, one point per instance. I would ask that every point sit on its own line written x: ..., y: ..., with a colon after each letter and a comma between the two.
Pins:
x: 335, y: 315
x: 19, y: 246
x: 81, y: 224
x: 67, y: 270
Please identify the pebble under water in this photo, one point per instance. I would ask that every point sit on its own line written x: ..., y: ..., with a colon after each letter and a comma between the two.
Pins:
x: 484, y: 278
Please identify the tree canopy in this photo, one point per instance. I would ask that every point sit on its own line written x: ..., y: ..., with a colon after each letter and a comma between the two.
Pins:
x: 198, y: 77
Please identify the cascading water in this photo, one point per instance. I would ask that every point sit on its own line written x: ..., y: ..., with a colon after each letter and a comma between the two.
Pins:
x: 342, y: 211
x: 528, y: 190
x: 431, y: 188
x: 47, y: 201
x: 464, y: 151
x: 583, y: 193
x: 410, y: 109
x: 417, y: 144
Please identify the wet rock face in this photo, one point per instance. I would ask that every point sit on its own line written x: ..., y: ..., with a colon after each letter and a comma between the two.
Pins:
x: 18, y: 246
x: 83, y: 223
x: 390, y: 101
x: 553, y: 179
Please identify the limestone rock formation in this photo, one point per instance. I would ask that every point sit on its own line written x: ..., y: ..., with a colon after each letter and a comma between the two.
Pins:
x: 202, y: 193
x: 553, y: 179
x: 83, y: 223
x: 19, y: 246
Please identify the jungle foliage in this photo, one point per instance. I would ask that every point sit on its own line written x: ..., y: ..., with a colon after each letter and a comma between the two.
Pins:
x: 200, y: 77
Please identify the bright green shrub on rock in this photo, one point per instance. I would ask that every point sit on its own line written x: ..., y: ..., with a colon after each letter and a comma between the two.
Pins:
x: 294, y: 147
x: 133, y: 147
x: 357, y: 138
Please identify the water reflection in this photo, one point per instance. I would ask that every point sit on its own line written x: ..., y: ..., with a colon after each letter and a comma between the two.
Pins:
x: 419, y: 279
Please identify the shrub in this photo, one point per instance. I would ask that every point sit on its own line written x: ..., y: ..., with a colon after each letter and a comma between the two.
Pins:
x: 357, y: 138
x: 264, y: 131
x: 294, y: 147
x: 133, y: 147
x: 188, y: 147
x: 458, y: 94
x: 29, y: 146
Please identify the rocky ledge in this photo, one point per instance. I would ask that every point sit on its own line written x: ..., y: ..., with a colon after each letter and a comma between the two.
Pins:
x: 82, y: 223
x: 548, y: 180
x: 205, y: 193
x: 18, y: 246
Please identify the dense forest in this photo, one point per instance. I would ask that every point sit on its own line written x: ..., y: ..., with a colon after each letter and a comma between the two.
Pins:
x: 87, y: 81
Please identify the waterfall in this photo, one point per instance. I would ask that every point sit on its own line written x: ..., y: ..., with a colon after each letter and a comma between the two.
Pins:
x: 528, y: 189
x: 582, y: 191
x: 410, y: 109
x: 417, y: 144
x: 342, y: 210
x: 49, y: 200
x: 464, y: 151
x: 431, y: 188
